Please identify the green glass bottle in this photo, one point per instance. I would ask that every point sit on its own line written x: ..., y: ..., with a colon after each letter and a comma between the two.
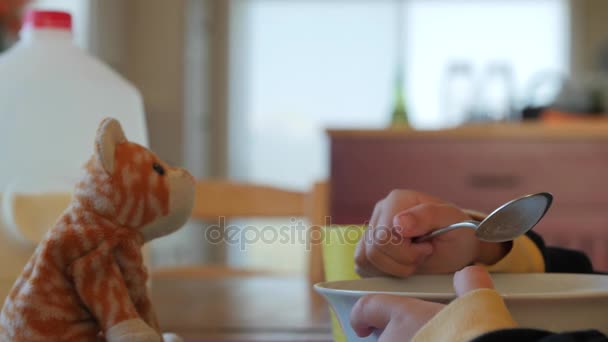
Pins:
x: 399, y: 115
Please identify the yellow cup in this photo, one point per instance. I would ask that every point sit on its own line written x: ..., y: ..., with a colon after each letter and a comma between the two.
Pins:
x: 339, y: 243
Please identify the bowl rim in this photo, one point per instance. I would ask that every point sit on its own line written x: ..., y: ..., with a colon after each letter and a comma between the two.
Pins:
x: 324, y: 289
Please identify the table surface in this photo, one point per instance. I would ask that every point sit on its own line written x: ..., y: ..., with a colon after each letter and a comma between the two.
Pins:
x: 243, y: 308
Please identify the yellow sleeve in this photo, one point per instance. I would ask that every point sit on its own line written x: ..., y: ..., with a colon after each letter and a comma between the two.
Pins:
x: 467, y: 317
x: 524, y: 256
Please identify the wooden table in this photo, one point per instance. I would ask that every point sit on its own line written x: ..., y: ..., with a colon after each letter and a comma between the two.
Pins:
x: 246, y: 308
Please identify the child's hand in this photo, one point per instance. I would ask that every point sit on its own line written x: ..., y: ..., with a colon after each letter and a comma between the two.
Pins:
x: 387, y: 247
x: 394, y: 318
x: 399, y: 318
x: 472, y: 278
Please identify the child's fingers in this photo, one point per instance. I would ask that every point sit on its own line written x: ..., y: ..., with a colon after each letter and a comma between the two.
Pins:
x: 374, y: 259
x: 383, y: 262
x: 362, y: 266
x: 404, y: 252
x: 395, y: 202
x: 424, y: 218
x: 376, y: 214
x: 371, y: 312
x: 386, y: 247
x: 471, y: 278
x: 384, y: 236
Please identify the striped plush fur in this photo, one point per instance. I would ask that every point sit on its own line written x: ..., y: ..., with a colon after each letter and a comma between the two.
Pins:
x: 86, y: 281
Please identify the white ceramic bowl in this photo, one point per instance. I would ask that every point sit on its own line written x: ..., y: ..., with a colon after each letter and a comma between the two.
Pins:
x: 552, y: 301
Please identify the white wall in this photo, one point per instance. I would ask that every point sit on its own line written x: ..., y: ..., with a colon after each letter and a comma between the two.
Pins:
x: 145, y: 40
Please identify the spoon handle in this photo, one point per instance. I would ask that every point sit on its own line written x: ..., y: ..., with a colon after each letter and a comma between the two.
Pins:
x: 465, y: 224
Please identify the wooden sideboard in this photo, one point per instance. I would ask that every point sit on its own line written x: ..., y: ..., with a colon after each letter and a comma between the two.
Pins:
x: 481, y: 167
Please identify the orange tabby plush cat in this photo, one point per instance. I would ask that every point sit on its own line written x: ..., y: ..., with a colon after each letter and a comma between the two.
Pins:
x: 86, y: 281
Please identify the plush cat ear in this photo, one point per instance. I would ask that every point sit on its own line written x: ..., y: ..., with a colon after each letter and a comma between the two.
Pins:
x: 109, y: 134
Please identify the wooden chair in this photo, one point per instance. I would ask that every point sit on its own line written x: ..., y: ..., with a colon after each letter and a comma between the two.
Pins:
x: 232, y: 200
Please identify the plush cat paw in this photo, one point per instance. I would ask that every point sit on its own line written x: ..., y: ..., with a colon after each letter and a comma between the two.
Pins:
x: 133, y: 330
x: 171, y: 337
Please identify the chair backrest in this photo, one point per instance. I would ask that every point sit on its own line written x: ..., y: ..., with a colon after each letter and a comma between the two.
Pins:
x: 221, y: 198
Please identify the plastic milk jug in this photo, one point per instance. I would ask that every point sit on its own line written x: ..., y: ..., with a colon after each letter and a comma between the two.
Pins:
x: 52, y: 98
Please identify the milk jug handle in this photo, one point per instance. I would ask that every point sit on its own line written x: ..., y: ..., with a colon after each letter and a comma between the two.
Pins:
x: 8, y: 217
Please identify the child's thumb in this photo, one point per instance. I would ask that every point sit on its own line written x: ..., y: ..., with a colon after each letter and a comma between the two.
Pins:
x: 472, y: 278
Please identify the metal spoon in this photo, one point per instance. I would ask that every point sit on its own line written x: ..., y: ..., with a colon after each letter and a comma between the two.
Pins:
x: 509, y: 221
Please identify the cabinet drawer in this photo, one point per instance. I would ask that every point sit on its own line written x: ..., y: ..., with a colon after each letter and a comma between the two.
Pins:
x: 478, y: 174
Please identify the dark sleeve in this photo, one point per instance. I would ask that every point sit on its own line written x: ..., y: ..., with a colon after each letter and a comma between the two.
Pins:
x: 561, y: 260
x: 533, y: 335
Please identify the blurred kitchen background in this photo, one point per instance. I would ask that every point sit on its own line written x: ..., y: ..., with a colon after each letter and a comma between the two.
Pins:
x: 245, y: 89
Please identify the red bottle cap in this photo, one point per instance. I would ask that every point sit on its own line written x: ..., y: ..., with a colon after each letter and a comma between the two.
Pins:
x: 37, y: 18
